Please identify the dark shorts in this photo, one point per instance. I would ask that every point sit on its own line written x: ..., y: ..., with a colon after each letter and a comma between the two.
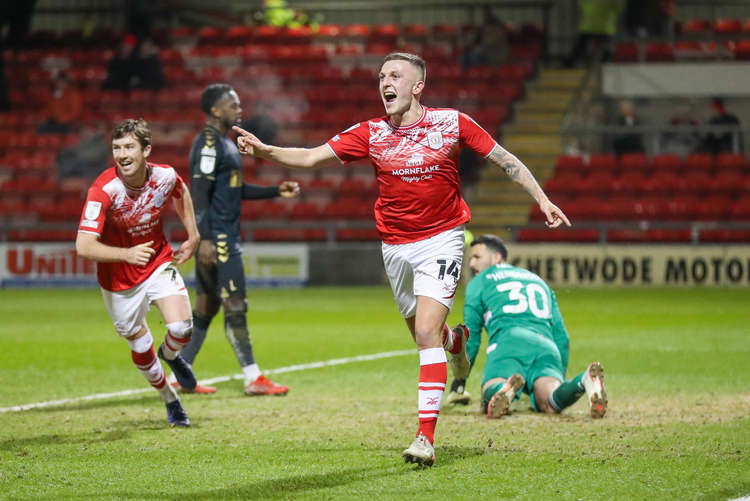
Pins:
x: 525, y: 352
x: 227, y: 278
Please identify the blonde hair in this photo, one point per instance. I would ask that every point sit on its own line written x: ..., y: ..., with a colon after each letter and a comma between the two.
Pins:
x: 413, y: 59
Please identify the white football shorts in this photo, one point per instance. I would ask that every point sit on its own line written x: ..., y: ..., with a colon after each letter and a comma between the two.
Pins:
x: 429, y: 267
x: 128, y: 308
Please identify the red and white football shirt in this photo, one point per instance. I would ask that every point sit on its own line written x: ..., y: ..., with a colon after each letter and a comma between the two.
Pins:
x: 123, y: 218
x: 417, y: 170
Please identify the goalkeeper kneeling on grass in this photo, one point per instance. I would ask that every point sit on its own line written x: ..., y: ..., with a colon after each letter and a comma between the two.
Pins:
x: 528, y: 345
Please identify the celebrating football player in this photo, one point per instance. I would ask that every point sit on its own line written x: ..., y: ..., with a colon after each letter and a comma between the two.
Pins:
x: 121, y: 229
x: 419, y: 214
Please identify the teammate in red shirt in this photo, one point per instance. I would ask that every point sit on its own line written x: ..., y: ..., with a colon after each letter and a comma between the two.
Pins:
x: 121, y: 229
x: 419, y: 214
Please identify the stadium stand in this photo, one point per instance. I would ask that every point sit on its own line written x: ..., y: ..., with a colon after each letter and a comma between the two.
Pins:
x: 311, y: 82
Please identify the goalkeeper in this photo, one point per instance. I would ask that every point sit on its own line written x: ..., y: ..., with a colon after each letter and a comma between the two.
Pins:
x: 528, y: 344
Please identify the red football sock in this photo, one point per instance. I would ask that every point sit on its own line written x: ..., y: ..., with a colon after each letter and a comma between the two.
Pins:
x: 433, y: 373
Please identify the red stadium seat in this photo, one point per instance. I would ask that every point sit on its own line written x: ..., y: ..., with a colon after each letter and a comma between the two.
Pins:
x: 728, y: 26
x: 627, y: 236
x: 741, y: 209
x: 634, y: 161
x: 730, y: 161
x: 666, y: 162
x: 664, y: 182
x: 601, y: 182
x: 714, y: 208
x: 580, y: 208
x: 626, y: 53
x: 699, y: 161
x: 327, y: 31
x: 659, y: 51
x: 289, y: 234
x: 357, y: 235
x: 445, y: 30
x: 567, y: 163
x: 357, y: 31
x: 603, y: 161
x: 565, y: 182
x: 694, y: 26
x: 681, y: 208
x: 268, y: 34
x: 669, y: 235
x: 742, y: 50
x: 210, y: 35
x: 724, y: 236
x: 305, y: 210
x: 385, y: 32
x: 557, y: 235
x: 651, y: 207
x: 239, y: 35
x: 415, y: 31
x: 694, y: 181
x: 630, y: 182
x: 727, y: 181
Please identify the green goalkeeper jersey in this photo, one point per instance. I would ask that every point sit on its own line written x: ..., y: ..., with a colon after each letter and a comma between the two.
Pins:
x: 504, y: 297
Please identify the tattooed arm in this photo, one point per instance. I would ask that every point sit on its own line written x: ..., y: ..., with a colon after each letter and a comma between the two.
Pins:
x: 519, y: 173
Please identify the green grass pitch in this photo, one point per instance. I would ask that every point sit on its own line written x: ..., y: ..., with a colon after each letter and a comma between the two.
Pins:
x: 678, y: 425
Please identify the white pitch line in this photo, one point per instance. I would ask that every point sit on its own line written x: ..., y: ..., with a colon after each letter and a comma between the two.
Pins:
x: 220, y: 379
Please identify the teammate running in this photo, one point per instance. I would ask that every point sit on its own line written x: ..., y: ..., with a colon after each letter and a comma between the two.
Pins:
x: 121, y: 229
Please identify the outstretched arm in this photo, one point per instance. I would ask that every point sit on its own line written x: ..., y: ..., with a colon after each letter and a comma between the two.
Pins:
x: 298, y: 158
x: 518, y: 172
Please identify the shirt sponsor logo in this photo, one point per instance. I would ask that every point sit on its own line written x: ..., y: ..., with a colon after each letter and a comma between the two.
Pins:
x: 435, y: 140
x: 87, y: 223
x: 93, y: 209
x: 415, y: 174
x: 416, y: 159
x: 336, y: 138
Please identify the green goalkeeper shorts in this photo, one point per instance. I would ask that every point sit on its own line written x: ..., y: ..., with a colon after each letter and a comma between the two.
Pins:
x: 522, y: 351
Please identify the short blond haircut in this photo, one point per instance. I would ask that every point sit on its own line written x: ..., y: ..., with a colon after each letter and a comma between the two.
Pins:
x: 413, y: 59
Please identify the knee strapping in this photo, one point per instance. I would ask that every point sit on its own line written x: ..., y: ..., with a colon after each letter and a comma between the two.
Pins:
x: 142, y: 344
x: 235, y: 311
x: 182, y: 329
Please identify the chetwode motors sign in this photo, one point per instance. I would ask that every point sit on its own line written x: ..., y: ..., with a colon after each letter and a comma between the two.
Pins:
x: 635, y: 265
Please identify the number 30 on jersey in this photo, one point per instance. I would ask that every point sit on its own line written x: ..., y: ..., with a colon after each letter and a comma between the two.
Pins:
x: 531, y: 297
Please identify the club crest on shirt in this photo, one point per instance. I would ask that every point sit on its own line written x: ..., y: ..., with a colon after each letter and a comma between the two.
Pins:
x: 93, y: 209
x: 158, y: 199
x: 435, y: 139
x: 208, y: 159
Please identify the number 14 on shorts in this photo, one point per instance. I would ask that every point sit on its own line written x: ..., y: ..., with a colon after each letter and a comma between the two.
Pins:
x: 453, y: 269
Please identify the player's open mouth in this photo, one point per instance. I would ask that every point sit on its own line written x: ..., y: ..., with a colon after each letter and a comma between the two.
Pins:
x: 389, y: 96
x: 125, y: 163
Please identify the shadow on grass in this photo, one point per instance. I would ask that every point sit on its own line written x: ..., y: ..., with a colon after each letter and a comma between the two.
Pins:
x: 18, y: 444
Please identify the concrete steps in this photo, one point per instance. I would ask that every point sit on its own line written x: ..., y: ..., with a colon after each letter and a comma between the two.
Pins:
x: 499, y: 202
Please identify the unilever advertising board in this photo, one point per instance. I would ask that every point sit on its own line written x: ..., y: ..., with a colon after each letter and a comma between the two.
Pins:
x: 50, y: 265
